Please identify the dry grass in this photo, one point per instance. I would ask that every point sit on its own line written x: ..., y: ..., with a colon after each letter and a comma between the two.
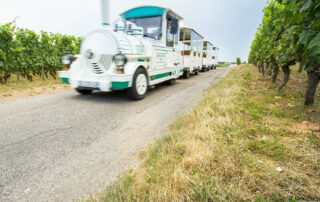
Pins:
x: 229, y: 146
x: 14, y: 89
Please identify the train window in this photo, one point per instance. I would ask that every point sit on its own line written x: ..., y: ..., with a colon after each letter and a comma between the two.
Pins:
x: 176, y: 38
x: 151, y: 26
x: 196, y: 44
x: 205, y: 49
x: 172, y: 31
x: 186, y: 52
x: 194, y: 53
x: 170, y: 37
x: 187, y: 35
x: 181, y: 34
x: 186, y: 47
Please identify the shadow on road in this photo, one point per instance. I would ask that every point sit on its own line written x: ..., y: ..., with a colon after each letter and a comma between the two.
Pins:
x: 111, y: 97
x: 121, y: 96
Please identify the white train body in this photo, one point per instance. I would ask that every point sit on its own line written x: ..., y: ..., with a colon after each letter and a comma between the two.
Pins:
x: 191, y: 46
x: 215, y: 56
x: 143, y: 49
x: 146, y: 42
x: 208, y: 55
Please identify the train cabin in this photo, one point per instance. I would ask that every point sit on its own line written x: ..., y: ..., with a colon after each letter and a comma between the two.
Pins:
x: 207, y: 56
x: 192, y: 48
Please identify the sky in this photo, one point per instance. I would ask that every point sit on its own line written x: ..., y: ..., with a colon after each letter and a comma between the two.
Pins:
x: 228, y: 24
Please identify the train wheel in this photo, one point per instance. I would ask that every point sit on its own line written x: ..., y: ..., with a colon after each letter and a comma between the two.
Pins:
x: 171, y: 82
x: 186, y: 74
x: 139, y: 88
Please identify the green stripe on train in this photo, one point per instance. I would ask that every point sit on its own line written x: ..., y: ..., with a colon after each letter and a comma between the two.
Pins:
x: 120, y: 85
x: 65, y: 80
x: 160, y: 76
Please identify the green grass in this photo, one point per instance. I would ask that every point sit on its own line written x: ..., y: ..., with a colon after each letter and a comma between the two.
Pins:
x: 247, y: 130
x: 223, y: 65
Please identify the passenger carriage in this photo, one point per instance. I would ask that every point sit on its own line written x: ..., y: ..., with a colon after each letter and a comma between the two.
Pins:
x: 208, y: 55
x: 142, y: 50
x: 215, y: 57
x: 192, y: 49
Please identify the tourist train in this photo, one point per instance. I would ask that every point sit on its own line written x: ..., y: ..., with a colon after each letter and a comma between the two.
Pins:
x: 147, y: 46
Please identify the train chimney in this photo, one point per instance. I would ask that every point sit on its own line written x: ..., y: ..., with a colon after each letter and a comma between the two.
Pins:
x: 105, y: 4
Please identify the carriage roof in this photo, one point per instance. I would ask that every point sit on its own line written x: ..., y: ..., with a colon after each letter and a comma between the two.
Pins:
x: 208, y: 42
x: 191, y: 29
x: 148, y: 11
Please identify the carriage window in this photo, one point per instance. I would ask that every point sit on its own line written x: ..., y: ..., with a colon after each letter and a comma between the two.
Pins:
x: 186, y: 48
x: 204, y: 54
x: 205, y: 49
x: 187, y: 35
x: 151, y: 26
x: 196, y: 44
x: 209, y: 50
x: 181, y: 34
x: 172, y: 31
x: 170, y: 37
x: 176, y: 38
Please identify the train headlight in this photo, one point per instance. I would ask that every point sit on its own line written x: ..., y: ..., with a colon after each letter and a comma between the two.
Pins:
x: 120, y: 60
x: 67, y: 59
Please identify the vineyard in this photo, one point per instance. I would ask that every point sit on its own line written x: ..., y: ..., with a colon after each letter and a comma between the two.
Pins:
x: 26, y: 53
x: 289, y: 34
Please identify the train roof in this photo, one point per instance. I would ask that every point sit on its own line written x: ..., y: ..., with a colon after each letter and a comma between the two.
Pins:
x: 147, y: 11
x: 191, y: 29
x: 208, y: 42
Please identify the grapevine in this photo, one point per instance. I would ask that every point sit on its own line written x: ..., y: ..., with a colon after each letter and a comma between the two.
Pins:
x: 26, y: 53
x: 289, y: 34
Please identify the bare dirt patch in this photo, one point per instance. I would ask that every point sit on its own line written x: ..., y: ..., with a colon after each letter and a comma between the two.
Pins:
x: 306, y: 127
x: 15, y: 89
x: 13, y: 95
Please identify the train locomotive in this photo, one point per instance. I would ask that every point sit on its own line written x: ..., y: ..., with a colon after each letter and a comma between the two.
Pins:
x: 143, y: 49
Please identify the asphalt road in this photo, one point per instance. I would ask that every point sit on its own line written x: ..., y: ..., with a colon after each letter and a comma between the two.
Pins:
x: 65, y: 146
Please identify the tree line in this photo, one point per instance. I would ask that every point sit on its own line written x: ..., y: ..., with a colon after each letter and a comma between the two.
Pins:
x: 26, y: 53
x: 289, y: 34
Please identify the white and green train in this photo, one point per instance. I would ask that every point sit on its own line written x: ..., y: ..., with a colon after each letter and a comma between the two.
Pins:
x: 143, y: 49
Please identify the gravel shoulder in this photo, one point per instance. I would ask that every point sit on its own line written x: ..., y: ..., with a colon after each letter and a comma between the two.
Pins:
x: 10, y: 94
x: 65, y: 146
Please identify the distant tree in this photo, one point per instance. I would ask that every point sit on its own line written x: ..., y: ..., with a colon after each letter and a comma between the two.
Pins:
x: 244, y: 62
x: 238, y: 61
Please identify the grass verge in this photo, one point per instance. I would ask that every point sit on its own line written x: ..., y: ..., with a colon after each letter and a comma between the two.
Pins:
x: 23, y: 88
x: 229, y: 147
x: 223, y: 65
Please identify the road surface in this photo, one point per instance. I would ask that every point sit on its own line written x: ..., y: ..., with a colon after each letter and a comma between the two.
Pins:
x: 65, y: 146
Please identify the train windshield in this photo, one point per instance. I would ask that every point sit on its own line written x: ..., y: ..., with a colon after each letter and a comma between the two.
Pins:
x: 151, y: 26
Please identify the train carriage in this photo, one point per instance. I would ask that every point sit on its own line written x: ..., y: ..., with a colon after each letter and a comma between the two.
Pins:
x: 215, y: 57
x: 207, y: 55
x: 192, y: 47
x: 143, y: 51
